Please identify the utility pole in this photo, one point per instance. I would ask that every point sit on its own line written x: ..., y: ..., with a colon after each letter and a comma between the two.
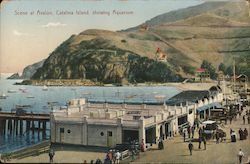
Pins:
x: 234, y: 76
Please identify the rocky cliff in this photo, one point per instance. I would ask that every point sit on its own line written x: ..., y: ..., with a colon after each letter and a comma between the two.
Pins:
x: 28, y: 71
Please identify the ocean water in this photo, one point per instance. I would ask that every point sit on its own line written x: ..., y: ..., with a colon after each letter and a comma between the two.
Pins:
x: 38, y: 99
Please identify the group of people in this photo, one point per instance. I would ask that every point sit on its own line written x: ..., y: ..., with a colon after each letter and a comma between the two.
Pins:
x: 246, y: 116
x: 189, y: 131
x: 242, y: 134
x: 202, y: 138
x: 113, y: 156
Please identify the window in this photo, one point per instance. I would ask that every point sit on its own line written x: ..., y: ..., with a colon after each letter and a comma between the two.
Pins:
x: 68, y: 131
x: 109, y: 133
x: 61, y: 130
x: 101, y: 133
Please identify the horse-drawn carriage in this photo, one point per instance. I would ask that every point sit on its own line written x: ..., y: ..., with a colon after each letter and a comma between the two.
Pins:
x: 211, y: 128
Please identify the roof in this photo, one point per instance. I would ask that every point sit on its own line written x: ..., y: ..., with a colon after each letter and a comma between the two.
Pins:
x: 212, y: 106
x: 200, y: 70
x: 188, y: 96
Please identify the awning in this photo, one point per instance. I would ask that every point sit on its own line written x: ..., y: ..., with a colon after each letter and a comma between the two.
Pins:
x: 217, y: 105
x: 211, y: 106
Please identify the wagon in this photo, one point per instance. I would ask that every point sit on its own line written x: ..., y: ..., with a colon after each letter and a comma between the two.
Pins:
x: 211, y: 127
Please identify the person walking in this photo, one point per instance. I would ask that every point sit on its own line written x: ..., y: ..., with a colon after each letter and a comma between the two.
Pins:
x: 244, y: 119
x: 217, y: 136
x: 142, y: 146
x: 230, y: 119
x: 205, y: 143
x: 200, y: 132
x: 190, y: 147
x: 110, y: 156
x: 231, y: 131
x: 240, y: 155
x: 98, y: 161
x: 233, y: 136
x: 184, y: 135
x: 245, y: 133
x: 51, y: 155
x: 189, y: 131
x: 199, y: 142
x: 193, y: 129
x: 160, y: 144
x: 241, y: 134
x: 118, y: 156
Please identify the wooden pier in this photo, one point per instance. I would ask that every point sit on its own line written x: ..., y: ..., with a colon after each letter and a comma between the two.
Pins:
x: 11, y: 123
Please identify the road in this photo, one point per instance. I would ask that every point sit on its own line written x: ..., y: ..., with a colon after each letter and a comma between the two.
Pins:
x: 176, y: 151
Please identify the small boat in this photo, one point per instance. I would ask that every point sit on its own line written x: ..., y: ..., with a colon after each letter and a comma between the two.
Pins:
x: 23, y: 106
x: 22, y: 89
x: 45, y: 88
x: 3, y: 96
x: 52, y: 102
x: 30, y: 96
x: 11, y: 91
x: 86, y: 93
x: 130, y: 96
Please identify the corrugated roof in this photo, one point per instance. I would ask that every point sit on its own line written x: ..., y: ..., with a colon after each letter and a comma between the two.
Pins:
x: 188, y: 96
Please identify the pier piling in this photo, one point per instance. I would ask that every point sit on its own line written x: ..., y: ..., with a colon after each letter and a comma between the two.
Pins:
x: 13, y: 124
x: 33, y: 127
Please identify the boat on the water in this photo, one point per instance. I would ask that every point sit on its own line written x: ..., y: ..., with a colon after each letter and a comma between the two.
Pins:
x: 22, y: 89
x: 45, y: 88
x: 3, y: 96
x: 52, y: 102
x: 11, y: 91
x: 23, y: 106
x: 30, y: 96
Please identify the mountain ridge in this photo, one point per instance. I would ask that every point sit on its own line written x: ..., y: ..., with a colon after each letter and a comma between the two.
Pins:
x: 132, y: 55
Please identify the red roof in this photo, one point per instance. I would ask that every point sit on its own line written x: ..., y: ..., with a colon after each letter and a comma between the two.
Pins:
x: 158, y: 50
x: 200, y: 70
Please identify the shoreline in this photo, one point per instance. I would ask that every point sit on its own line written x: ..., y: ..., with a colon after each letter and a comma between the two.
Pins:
x: 84, y: 82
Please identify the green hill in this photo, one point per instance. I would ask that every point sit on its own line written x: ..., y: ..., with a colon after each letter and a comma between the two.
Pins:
x: 214, y: 31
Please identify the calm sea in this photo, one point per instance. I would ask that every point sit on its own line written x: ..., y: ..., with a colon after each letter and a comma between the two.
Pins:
x: 38, y: 99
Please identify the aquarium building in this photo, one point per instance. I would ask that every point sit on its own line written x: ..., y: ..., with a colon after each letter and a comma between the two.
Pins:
x: 106, y: 125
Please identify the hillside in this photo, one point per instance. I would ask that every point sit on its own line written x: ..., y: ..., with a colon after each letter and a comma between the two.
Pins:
x: 99, y: 59
x: 213, y: 31
x: 28, y: 71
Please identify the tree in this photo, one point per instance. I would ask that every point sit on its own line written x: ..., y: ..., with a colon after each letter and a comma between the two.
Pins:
x: 208, y: 66
x: 222, y: 68
x: 229, y: 70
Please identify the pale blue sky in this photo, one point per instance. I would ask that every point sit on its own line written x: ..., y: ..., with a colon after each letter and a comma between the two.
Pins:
x: 29, y: 38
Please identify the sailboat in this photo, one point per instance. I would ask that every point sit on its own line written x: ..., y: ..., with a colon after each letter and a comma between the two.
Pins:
x: 3, y: 96
x: 45, y: 88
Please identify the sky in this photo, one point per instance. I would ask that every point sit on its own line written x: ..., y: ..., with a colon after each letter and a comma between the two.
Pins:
x: 32, y: 29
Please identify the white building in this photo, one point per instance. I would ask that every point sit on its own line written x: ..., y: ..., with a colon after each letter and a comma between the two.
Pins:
x: 106, y: 125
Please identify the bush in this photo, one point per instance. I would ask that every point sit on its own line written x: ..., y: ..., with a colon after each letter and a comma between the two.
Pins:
x: 123, y: 41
